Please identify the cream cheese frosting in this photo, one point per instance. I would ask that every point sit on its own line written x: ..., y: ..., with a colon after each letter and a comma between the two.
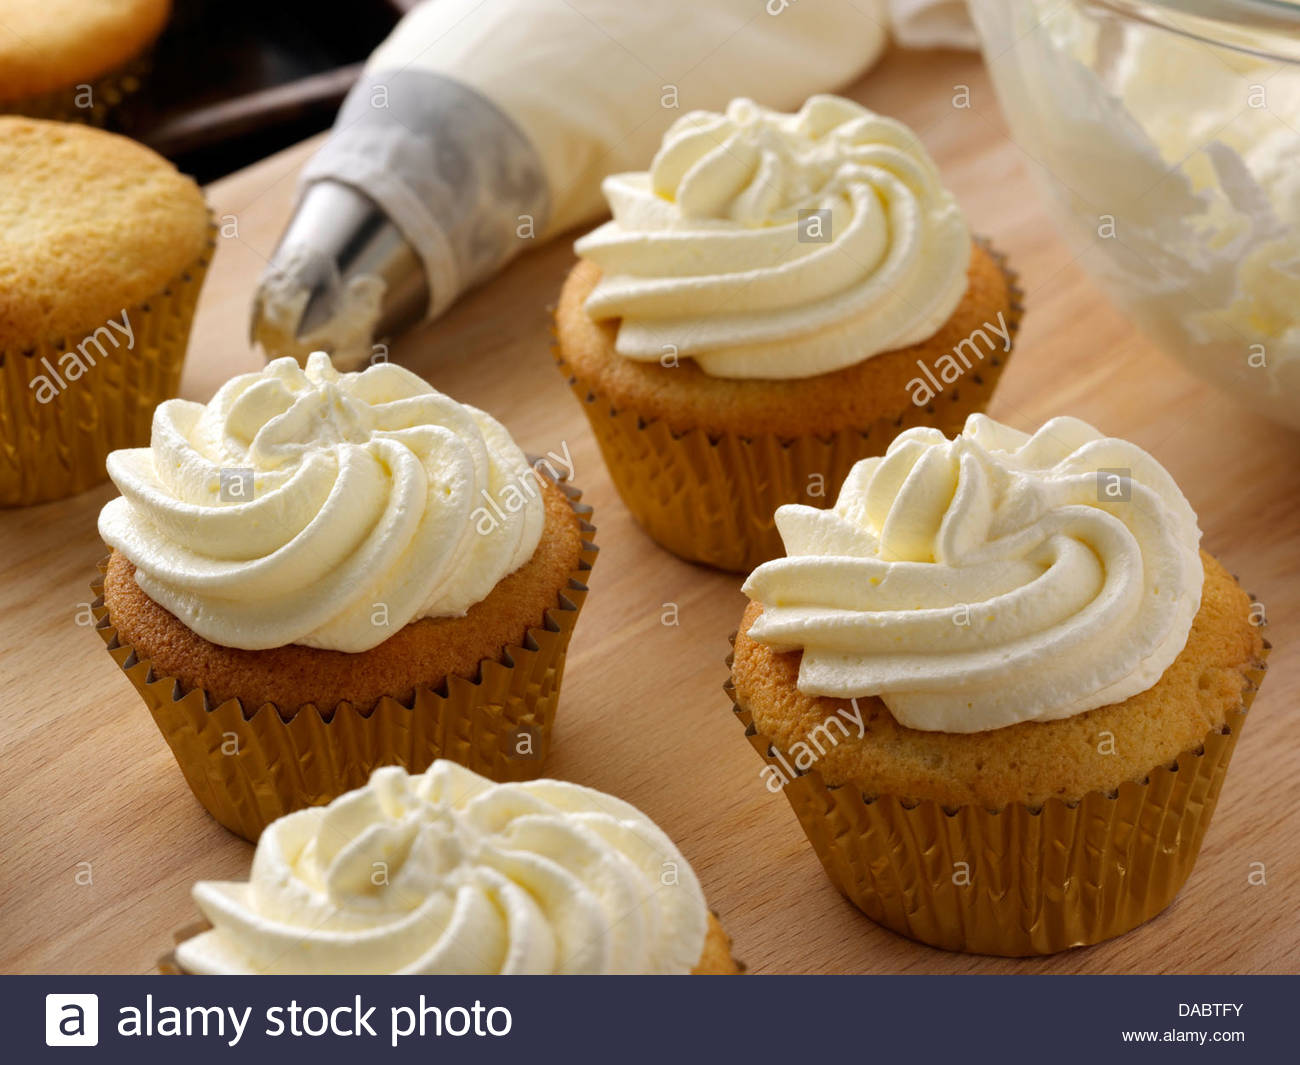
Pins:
x: 308, y: 506
x: 771, y: 245
x: 989, y: 579
x: 449, y: 873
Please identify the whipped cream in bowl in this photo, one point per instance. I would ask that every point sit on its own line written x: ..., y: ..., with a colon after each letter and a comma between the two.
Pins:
x: 1164, y: 136
x: 448, y: 873
x: 989, y: 579
x: 776, y: 246
x: 285, y: 509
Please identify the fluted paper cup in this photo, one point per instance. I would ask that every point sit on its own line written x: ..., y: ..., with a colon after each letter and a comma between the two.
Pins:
x: 248, y: 766
x: 1021, y: 880
x: 712, y: 497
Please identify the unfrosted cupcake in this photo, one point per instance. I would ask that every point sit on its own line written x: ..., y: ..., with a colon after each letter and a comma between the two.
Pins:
x: 103, y: 249
x: 1000, y: 685
x: 319, y: 573
x: 74, y: 59
x: 776, y: 298
x: 450, y: 874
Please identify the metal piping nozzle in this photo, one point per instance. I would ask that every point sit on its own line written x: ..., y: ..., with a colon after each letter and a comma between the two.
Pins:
x: 342, y: 278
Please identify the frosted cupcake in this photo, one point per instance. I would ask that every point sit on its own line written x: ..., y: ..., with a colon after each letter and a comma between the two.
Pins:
x: 74, y: 60
x: 776, y: 298
x: 1000, y: 685
x: 450, y: 874
x: 319, y: 573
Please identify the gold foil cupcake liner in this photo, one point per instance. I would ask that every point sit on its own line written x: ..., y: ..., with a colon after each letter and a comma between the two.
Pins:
x: 712, y: 497
x: 90, y: 102
x: 1021, y: 880
x: 248, y: 767
x: 57, y: 448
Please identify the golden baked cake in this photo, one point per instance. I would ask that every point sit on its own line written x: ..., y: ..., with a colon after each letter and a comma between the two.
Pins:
x: 1000, y: 685
x: 74, y: 59
x: 544, y: 877
x: 318, y: 573
x: 716, y: 959
x: 774, y: 299
x: 105, y: 248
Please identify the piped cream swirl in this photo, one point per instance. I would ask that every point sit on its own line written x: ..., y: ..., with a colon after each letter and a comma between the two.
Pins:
x: 993, y: 578
x: 315, y: 507
x: 770, y: 245
x: 449, y: 873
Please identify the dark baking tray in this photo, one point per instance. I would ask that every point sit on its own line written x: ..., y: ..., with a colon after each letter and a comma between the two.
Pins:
x: 235, y: 81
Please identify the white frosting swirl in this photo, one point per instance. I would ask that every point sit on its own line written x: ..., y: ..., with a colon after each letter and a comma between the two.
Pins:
x: 449, y: 873
x: 704, y: 255
x: 994, y: 578
x: 375, y: 501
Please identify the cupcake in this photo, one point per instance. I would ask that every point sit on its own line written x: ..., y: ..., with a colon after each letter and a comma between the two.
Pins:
x: 319, y: 573
x: 74, y: 59
x: 105, y: 248
x: 448, y: 873
x: 1000, y: 685
x: 774, y: 300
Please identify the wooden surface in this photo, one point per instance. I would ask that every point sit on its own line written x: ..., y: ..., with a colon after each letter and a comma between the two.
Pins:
x: 87, y: 778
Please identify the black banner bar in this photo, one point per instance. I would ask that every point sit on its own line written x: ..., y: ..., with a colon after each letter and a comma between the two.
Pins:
x: 1047, y: 1020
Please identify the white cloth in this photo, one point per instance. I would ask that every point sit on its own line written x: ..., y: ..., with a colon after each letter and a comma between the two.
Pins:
x: 932, y: 24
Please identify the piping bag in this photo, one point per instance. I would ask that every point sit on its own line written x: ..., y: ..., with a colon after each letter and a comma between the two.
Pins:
x: 482, y: 126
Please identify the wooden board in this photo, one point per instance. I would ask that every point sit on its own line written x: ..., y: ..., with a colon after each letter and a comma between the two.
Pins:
x: 87, y: 778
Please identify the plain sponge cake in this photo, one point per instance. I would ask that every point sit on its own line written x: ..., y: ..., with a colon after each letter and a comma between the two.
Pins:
x: 105, y: 247
x: 56, y: 44
x: 92, y: 222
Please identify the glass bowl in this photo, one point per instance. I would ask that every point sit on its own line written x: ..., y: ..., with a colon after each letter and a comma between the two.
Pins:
x: 1166, y: 141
